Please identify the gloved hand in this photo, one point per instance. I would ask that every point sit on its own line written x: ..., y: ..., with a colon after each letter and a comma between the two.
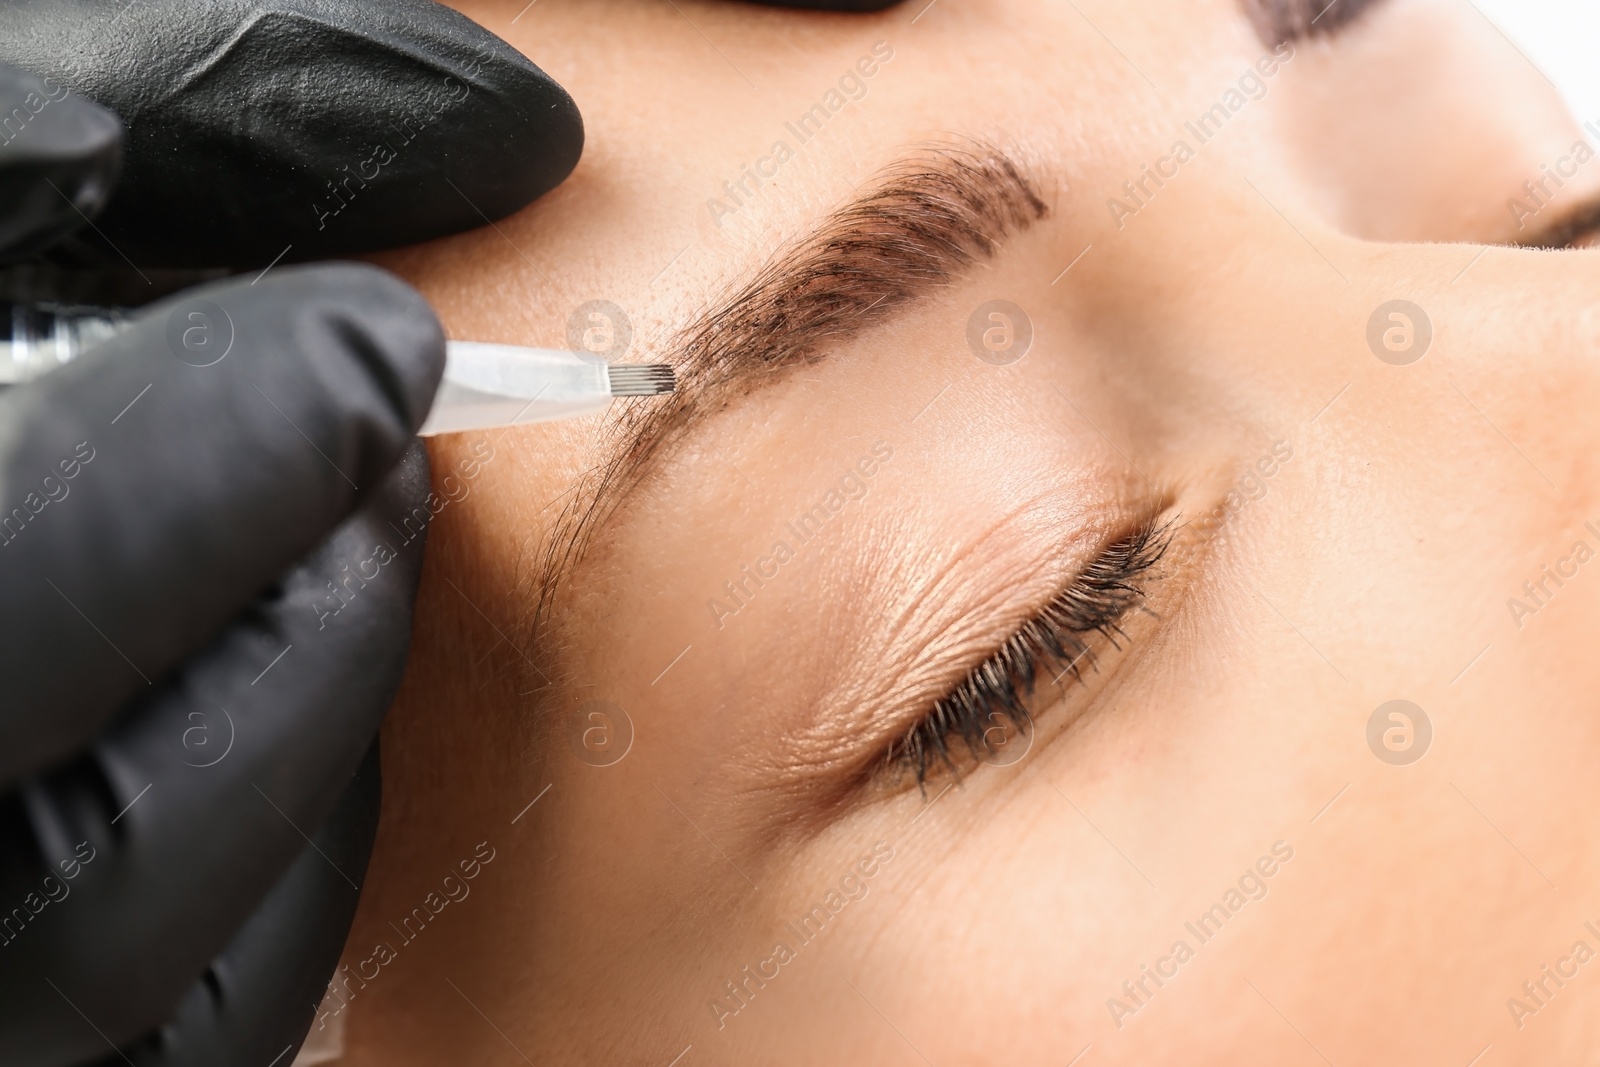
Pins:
x: 211, y: 526
x: 324, y: 127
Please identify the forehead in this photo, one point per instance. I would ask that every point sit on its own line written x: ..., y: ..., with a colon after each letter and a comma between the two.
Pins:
x: 714, y: 133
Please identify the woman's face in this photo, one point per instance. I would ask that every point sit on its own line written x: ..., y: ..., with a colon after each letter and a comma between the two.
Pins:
x: 1264, y: 437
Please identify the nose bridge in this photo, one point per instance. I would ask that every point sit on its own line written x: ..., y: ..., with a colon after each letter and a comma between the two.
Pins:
x: 1221, y: 286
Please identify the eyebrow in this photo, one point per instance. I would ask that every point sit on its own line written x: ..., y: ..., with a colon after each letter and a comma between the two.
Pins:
x: 1279, y: 21
x: 918, y: 226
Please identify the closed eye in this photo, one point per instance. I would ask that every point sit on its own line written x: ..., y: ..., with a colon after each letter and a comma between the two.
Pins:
x: 1576, y: 229
x: 1057, y: 643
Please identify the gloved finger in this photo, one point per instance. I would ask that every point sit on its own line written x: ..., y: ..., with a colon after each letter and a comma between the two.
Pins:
x: 308, y: 128
x: 146, y: 498
x: 178, y: 841
x: 257, y: 1000
x: 58, y: 158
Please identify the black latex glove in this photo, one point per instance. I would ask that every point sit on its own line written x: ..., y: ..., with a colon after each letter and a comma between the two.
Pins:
x: 327, y: 127
x: 139, y: 651
x: 211, y: 525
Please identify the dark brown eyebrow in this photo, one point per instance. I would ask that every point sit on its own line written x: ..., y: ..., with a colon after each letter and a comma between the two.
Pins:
x: 917, y: 227
x: 1278, y: 21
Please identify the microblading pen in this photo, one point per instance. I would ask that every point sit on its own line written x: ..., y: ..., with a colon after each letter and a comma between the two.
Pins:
x: 484, y: 385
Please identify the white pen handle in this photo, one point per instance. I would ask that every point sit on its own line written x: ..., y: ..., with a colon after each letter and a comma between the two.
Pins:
x: 484, y: 385
x: 489, y: 385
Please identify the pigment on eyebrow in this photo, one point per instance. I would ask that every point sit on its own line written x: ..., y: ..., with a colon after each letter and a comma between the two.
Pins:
x: 918, y: 227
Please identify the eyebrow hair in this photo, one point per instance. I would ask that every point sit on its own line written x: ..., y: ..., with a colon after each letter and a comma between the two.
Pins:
x: 1279, y: 21
x: 918, y: 226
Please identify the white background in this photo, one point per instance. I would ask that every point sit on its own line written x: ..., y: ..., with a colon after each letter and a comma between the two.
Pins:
x: 1563, y: 38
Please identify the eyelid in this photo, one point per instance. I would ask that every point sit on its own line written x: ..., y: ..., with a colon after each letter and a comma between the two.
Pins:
x: 1095, y: 602
x: 1568, y: 231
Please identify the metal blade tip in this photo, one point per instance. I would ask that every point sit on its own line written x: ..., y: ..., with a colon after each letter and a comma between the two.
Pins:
x: 641, y: 379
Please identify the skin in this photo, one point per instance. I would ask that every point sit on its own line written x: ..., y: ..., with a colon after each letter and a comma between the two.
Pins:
x: 1217, y: 322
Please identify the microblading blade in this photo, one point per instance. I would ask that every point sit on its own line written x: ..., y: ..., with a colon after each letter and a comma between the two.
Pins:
x: 641, y: 379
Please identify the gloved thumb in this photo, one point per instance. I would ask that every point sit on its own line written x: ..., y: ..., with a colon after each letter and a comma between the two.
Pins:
x: 59, y: 155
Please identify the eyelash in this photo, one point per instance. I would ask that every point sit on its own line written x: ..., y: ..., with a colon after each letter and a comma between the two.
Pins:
x: 1057, y: 639
x: 1587, y: 232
